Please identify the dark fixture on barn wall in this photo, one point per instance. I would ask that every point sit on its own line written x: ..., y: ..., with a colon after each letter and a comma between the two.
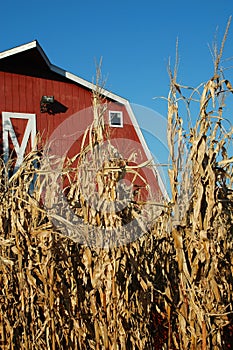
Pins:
x: 46, y: 104
x: 49, y: 105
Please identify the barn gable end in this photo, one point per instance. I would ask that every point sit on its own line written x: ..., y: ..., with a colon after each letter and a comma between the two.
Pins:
x: 26, y: 75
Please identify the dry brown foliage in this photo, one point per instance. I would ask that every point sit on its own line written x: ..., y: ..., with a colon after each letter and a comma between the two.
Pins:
x: 167, y: 286
x: 202, y: 198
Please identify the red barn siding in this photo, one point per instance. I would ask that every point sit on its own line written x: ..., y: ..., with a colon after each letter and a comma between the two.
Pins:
x: 22, y: 94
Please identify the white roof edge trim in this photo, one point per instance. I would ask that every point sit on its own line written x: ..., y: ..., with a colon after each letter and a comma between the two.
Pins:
x: 146, y: 149
x: 18, y: 49
x: 87, y: 84
x: 25, y: 47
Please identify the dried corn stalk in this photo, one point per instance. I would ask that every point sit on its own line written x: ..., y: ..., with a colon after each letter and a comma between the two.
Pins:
x: 202, y: 198
x: 57, y: 293
x: 169, y: 287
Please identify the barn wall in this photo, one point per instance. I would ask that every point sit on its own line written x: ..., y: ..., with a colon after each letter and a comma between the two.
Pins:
x: 22, y: 94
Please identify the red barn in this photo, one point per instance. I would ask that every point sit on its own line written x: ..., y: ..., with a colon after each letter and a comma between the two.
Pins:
x: 36, y: 97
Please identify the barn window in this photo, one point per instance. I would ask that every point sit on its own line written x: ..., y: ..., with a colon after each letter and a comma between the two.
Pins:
x: 116, y: 119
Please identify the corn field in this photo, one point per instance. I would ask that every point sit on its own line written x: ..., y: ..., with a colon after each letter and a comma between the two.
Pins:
x: 141, y: 278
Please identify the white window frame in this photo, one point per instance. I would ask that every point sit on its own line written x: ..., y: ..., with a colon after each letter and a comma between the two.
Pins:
x: 120, y: 113
x: 8, y: 130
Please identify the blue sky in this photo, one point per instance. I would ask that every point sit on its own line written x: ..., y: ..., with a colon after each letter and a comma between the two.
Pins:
x: 134, y: 38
